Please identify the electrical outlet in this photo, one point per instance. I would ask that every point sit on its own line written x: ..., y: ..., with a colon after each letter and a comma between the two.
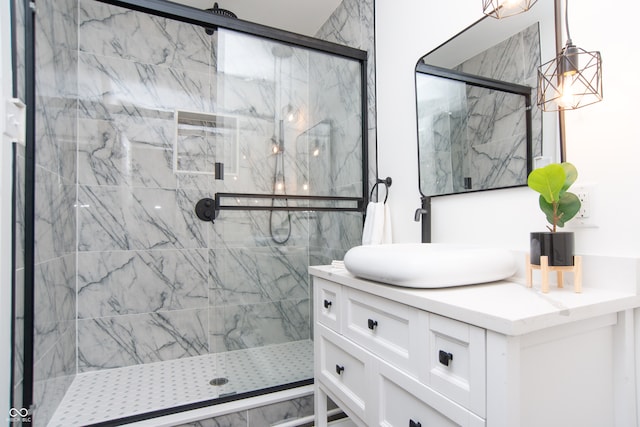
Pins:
x: 585, y: 208
x: 584, y: 218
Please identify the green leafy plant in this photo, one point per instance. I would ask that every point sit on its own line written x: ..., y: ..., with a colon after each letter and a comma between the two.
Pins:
x: 552, y: 182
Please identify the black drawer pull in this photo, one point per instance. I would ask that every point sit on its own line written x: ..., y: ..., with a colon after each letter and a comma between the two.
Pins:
x: 445, y: 357
x: 327, y: 303
x: 339, y: 369
x: 414, y: 424
x: 372, y: 324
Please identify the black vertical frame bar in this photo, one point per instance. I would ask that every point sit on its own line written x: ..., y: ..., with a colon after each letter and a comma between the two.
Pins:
x: 365, y: 133
x: 14, y: 192
x: 29, y: 182
x: 14, y: 163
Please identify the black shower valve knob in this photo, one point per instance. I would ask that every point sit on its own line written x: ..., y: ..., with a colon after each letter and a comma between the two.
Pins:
x: 205, y: 209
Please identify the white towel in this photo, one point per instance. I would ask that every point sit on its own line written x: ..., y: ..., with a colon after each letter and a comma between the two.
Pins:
x: 377, y: 224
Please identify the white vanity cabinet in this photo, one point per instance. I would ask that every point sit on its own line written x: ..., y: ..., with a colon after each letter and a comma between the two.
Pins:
x: 496, y: 355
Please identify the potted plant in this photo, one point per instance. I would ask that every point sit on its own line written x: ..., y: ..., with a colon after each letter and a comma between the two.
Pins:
x: 559, y: 206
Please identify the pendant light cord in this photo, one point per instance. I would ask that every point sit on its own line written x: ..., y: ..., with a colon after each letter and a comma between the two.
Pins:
x: 566, y: 21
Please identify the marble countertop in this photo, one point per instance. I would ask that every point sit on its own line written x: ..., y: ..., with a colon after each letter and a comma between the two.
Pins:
x: 505, y: 307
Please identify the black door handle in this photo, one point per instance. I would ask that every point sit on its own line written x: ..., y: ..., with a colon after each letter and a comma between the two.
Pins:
x: 339, y: 369
x: 327, y: 303
x: 414, y: 424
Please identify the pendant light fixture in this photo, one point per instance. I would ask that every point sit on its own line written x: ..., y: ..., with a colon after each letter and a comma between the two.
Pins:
x: 504, y: 8
x: 573, y: 79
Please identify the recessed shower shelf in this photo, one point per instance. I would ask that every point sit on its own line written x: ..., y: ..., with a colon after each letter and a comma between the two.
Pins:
x: 208, y: 209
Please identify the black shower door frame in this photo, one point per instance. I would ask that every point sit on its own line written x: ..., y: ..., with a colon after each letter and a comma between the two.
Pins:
x: 178, y: 12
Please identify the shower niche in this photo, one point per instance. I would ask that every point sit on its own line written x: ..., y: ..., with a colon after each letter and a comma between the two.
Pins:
x: 203, y: 142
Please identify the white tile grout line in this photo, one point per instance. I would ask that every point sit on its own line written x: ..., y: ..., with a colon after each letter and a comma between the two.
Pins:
x: 116, y: 393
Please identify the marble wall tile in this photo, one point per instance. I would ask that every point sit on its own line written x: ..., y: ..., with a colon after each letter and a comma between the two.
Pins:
x: 54, y: 302
x: 256, y: 275
x: 436, y: 173
x: 19, y: 195
x: 115, y: 218
x: 55, y: 209
x: 18, y: 337
x: 499, y: 163
x: 56, y: 127
x: 113, y: 31
x: 53, y: 373
x: 248, y: 326
x: 111, y: 342
x: 494, y: 115
x: 118, y: 82
x: 130, y: 282
x: 128, y: 150
x: 57, y: 39
x: 515, y: 59
x: 18, y: 7
x: 251, y: 228
x: 339, y: 231
x: 55, y: 220
x: 352, y: 24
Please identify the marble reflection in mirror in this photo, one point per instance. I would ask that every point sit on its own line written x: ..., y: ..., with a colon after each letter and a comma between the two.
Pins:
x: 473, y: 134
x: 507, y: 51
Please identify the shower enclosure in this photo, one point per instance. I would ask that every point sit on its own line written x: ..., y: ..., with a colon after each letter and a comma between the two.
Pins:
x: 129, y: 303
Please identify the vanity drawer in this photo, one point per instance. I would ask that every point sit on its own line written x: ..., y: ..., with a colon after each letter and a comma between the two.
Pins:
x: 328, y: 302
x: 345, y: 368
x: 457, y: 367
x: 403, y: 402
x: 388, y: 329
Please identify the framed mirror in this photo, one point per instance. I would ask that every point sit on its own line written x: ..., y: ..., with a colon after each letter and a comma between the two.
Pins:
x: 472, y: 135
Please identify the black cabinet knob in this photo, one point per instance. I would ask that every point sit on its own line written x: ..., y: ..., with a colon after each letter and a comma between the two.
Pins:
x: 445, y: 357
x: 414, y: 424
x: 372, y: 324
x: 339, y: 369
x: 327, y: 303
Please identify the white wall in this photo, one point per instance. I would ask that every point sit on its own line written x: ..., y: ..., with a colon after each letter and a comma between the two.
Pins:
x: 603, y: 140
x: 5, y: 213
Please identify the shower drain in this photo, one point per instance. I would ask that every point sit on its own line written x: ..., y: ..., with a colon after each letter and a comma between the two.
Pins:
x: 219, y: 381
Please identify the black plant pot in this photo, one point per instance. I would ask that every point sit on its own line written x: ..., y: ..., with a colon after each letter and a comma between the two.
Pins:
x: 557, y: 246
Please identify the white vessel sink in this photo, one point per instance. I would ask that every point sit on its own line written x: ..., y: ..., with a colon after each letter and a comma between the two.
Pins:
x: 430, y: 265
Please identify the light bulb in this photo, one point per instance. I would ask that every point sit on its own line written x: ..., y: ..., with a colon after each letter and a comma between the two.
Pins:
x: 279, y: 185
x: 509, y: 4
x: 290, y: 113
x: 275, y: 149
x: 316, y: 152
x: 305, y: 186
x: 568, y: 91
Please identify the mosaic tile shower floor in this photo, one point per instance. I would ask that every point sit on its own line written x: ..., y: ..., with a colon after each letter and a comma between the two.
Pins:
x: 116, y: 393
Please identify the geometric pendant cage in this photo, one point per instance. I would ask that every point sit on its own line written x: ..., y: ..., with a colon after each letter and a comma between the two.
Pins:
x: 504, y: 8
x: 571, y: 80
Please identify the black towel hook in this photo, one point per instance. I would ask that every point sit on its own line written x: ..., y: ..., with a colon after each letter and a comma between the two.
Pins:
x: 387, y: 183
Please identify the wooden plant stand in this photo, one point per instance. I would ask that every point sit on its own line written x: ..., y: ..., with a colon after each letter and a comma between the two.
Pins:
x: 545, y: 268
